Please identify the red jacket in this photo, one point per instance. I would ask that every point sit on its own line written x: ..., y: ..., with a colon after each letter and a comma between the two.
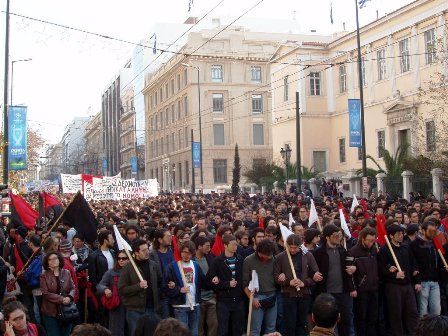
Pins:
x: 69, y: 267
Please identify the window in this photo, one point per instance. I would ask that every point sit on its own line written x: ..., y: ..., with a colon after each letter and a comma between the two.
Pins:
x: 173, y: 114
x: 255, y: 74
x: 405, y: 60
x: 185, y: 76
x: 342, y: 79
x: 430, y: 46
x: 156, y: 122
x: 186, y: 106
x: 285, y: 89
x: 218, y: 101
x: 173, y: 142
x: 220, y: 171
x: 179, y: 108
x: 178, y: 82
x: 172, y: 86
x: 258, y: 134
x: 381, y: 135
x: 179, y: 138
x: 320, y: 161
x: 161, y: 94
x: 187, y: 136
x: 161, y: 146
x: 167, y: 144
x: 381, y: 62
x: 218, y: 134
x: 257, y: 103
x: 155, y: 98
x: 187, y: 173
x: 151, y: 150
x: 315, y: 83
x: 167, y: 117
x: 151, y: 123
x: 430, y: 136
x: 166, y: 91
x: 161, y: 120
x: 217, y: 73
x: 342, y: 150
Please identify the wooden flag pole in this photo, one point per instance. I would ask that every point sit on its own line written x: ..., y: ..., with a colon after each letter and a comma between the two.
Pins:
x: 318, y: 224
x: 443, y: 259
x: 393, y: 253
x: 249, y: 318
x: 184, y: 280
x: 62, y: 214
x: 293, y: 270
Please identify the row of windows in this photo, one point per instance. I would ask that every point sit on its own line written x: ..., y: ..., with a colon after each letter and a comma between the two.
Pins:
x: 381, y: 62
x: 172, y: 113
x: 257, y: 135
x: 218, y: 103
x: 381, y: 142
x: 217, y: 74
x: 169, y: 143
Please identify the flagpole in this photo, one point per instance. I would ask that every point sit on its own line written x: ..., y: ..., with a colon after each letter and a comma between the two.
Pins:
x: 361, y: 95
x: 62, y: 214
x: 393, y: 253
x: 293, y: 270
x: 249, y: 318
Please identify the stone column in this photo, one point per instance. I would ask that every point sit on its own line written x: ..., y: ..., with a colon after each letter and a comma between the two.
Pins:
x: 263, y: 189
x: 381, y: 187
x: 407, y: 184
x: 437, y: 188
x: 313, y: 187
x: 354, y: 182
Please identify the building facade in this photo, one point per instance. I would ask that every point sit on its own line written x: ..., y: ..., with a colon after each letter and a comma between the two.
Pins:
x: 128, y: 143
x: 93, y: 155
x: 227, y: 84
x: 399, y: 59
x: 73, y: 145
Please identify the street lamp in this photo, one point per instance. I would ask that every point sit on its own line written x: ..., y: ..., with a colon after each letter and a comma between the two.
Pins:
x: 200, y: 120
x: 12, y: 75
x: 286, y: 156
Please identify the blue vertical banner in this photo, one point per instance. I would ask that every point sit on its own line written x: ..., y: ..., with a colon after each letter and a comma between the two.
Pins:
x: 133, y: 165
x: 17, y: 138
x: 104, y: 166
x: 197, y: 154
x: 354, y: 113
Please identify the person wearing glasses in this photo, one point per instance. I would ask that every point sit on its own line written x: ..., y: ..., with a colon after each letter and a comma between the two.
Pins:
x: 106, y: 286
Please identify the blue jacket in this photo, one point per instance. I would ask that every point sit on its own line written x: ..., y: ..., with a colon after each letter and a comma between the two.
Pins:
x: 172, y: 273
x: 33, y: 272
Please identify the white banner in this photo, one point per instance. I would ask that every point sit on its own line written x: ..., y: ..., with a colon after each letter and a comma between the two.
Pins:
x: 71, y: 184
x: 114, y: 188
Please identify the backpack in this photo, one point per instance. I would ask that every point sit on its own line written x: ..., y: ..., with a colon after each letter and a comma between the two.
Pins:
x: 32, y: 274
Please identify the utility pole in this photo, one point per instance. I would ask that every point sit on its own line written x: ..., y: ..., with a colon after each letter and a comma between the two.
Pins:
x: 193, y: 186
x: 5, y: 100
x: 298, y: 144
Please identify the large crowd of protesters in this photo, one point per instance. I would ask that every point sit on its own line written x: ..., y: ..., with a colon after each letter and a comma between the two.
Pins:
x: 195, y: 256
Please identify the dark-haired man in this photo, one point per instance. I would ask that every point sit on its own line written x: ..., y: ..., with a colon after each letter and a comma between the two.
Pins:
x: 264, y: 303
x: 102, y: 259
x: 225, y: 276
x: 257, y: 235
x: 140, y: 297
x: 325, y: 315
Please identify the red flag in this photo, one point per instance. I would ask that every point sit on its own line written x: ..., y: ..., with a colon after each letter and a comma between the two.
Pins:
x: 364, y: 209
x: 261, y: 222
x: 218, y: 246
x: 50, y: 202
x: 22, y: 213
x: 438, y: 245
x: 176, y: 252
x: 445, y: 223
x: 381, y: 229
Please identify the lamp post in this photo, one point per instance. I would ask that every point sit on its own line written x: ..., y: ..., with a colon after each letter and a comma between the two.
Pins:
x: 286, y: 156
x: 200, y: 120
x: 12, y: 75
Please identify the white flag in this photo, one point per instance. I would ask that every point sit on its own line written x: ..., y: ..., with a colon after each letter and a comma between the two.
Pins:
x: 313, y: 214
x: 355, y: 203
x: 122, y: 244
x: 344, y: 225
x: 253, y: 284
x: 291, y: 221
x: 285, y: 232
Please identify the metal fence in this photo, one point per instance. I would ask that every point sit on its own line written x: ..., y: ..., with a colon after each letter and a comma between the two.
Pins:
x: 422, y: 185
x: 394, y: 186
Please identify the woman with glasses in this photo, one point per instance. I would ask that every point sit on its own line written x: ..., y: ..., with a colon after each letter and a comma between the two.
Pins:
x: 16, y: 322
x: 106, y: 286
x: 57, y: 289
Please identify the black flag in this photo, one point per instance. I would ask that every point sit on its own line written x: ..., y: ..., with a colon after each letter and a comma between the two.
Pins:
x: 81, y: 217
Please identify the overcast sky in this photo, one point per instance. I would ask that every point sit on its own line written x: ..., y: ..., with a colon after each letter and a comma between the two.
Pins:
x: 70, y: 70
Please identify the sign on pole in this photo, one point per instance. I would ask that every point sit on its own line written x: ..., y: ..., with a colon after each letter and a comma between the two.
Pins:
x: 354, y: 112
x: 133, y: 165
x: 17, y: 138
x: 197, y: 154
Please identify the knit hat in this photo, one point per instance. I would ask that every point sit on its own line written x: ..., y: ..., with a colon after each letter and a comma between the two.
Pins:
x: 22, y: 231
x: 65, y: 246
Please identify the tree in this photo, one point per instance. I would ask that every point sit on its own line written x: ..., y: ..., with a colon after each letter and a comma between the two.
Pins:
x: 393, y: 165
x: 236, y: 172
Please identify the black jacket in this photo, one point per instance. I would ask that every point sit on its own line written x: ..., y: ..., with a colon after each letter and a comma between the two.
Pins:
x: 3, y: 275
x: 322, y: 259
x: 98, y: 266
x: 405, y: 259
x: 366, y: 275
x: 428, y: 260
x: 220, y: 269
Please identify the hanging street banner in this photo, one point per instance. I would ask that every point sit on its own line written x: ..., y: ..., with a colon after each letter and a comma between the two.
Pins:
x: 354, y: 113
x: 17, y: 138
x: 197, y: 154
x: 71, y: 184
x: 133, y: 165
